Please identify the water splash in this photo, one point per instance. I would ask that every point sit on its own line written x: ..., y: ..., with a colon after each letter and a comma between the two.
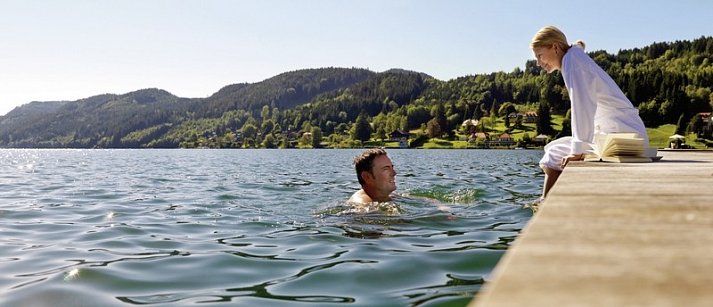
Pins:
x: 443, y: 194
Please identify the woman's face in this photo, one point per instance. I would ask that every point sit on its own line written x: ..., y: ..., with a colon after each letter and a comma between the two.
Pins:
x: 549, y: 58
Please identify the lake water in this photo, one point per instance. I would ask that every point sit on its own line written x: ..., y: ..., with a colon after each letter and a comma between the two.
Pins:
x: 253, y: 227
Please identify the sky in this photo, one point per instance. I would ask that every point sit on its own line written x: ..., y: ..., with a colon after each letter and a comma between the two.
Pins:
x: 74, y: 49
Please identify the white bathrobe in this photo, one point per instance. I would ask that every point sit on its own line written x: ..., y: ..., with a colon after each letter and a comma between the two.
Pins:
x: 598, y: 106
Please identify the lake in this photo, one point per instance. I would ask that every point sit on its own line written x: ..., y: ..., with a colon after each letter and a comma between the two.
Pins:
x: 253, y: 227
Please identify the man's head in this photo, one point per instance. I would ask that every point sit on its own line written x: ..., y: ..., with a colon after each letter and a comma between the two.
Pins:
x: 364, y: 162
x: 376, y: 173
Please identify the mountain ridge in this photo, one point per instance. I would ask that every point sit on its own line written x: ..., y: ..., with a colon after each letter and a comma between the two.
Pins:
x: 668, y: 82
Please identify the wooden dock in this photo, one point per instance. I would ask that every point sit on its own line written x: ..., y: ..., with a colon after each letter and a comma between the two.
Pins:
x: 610, y: 234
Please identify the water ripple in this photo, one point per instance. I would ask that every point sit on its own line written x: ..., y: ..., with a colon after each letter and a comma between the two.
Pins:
x: 186, y: 227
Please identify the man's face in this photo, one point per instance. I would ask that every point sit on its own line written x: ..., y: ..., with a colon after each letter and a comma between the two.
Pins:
x: 383, y: 174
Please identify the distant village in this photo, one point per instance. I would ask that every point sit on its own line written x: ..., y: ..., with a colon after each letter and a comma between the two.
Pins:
x: 483, y: 140
x: 472, y: 133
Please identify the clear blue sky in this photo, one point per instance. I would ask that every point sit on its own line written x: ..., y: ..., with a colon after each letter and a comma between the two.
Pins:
x: 67, y: 50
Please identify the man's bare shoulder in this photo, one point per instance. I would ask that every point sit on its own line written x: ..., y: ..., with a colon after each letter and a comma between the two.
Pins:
x: 360, y: 197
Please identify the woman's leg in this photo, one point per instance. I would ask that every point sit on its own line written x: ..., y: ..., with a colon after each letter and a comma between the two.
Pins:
x: 551, y: 161
x: 551, y: 176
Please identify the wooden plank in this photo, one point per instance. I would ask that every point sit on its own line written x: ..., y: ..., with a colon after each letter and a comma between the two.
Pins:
x: 609, y: 234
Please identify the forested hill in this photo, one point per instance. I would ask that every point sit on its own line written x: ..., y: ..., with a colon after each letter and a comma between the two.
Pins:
x: 283, y: 91
x: 110, y: 120
x: 670, y: 82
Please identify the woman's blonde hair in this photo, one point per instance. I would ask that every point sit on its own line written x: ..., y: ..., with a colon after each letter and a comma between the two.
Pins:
x: 549, y: 36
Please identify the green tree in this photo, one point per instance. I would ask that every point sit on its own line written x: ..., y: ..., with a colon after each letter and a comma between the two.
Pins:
x: 416, y: 115
x: 649, y: 113
x: 249, y: 131
x: 276, y: 115
x: 268, y: 126
x: 265, y: 113
x: 696, y: 125
x: 381, y: 133
x: 526, y: 139
x: 505, y: 110
x: 453, y: 122
x: 681, y: 125
x: 666, y: 110
x: 284, y: 142
x: 493, y: 117
x: 316, y: 137
x: 544, y: 119
x: 433, y: 129
x: 249, y: 143
x: 566, y: 125
x: 439, y: 114
x: 342, y: 128
x: 269, y: 141
x: 361, y: 130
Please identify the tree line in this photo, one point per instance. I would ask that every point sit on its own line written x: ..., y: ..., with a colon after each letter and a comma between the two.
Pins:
x: 669, y: 82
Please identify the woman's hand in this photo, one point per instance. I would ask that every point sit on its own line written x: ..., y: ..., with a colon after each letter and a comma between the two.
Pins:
x: 572, y: 157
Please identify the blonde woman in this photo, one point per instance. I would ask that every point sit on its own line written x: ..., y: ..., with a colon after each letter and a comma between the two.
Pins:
x: 598, y: 105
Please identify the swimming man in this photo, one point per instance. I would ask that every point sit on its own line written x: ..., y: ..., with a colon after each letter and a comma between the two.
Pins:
x: 376, y: 175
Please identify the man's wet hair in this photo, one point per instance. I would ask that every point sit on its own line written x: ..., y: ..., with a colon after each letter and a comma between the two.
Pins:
x: 365, y: 161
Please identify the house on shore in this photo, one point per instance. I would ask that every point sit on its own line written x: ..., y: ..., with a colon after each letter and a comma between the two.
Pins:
x: 540, y: 139
x: 401, y: 137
